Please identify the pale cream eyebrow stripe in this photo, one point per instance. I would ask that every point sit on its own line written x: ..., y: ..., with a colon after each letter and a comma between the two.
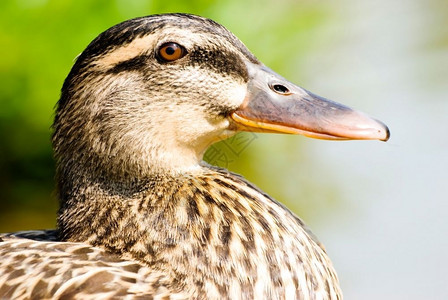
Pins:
x: 124, y: 53
x: 140, y: 45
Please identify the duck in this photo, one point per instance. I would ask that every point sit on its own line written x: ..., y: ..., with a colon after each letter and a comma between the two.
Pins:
x: 141, y: 215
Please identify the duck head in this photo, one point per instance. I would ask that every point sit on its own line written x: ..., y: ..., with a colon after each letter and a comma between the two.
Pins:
x: 151, y: 94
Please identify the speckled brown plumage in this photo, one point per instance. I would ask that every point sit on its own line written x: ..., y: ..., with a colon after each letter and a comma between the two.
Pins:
x: 208, y: 235
x: 34, y: 267
x: 141, y: 215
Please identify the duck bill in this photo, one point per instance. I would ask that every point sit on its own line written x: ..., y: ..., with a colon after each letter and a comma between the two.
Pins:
x: 273, y: 104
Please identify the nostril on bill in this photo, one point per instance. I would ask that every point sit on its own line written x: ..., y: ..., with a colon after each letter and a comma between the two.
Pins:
x: 280, y: 89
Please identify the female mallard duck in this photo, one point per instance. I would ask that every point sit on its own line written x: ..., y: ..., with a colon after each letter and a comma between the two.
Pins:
x: 141, y: 215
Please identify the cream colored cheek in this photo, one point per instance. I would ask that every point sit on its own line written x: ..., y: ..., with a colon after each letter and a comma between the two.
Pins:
x: 222, y: 90
x: 235, y: 94
x: 195, y: 127
x: 228, y: 93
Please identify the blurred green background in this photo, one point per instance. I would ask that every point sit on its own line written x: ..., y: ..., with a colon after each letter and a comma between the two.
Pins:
x: 380, y: 208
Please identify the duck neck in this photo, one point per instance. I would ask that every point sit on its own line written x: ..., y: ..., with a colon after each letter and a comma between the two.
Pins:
x: 207, y: 224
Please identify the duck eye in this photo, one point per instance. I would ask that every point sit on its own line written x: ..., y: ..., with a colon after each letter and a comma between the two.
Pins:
x: 171, y: 51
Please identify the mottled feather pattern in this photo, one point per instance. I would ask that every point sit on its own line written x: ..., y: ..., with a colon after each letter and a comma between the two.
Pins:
x: 141, y: 216
x: 38, y: 269
x: 213, y: 234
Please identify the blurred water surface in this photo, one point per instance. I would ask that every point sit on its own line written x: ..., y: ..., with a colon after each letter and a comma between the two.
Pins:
x: 380, y: 208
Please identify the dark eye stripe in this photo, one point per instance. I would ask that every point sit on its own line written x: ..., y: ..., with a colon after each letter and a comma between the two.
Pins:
x: 133, y: 64
x: 220, y: 61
